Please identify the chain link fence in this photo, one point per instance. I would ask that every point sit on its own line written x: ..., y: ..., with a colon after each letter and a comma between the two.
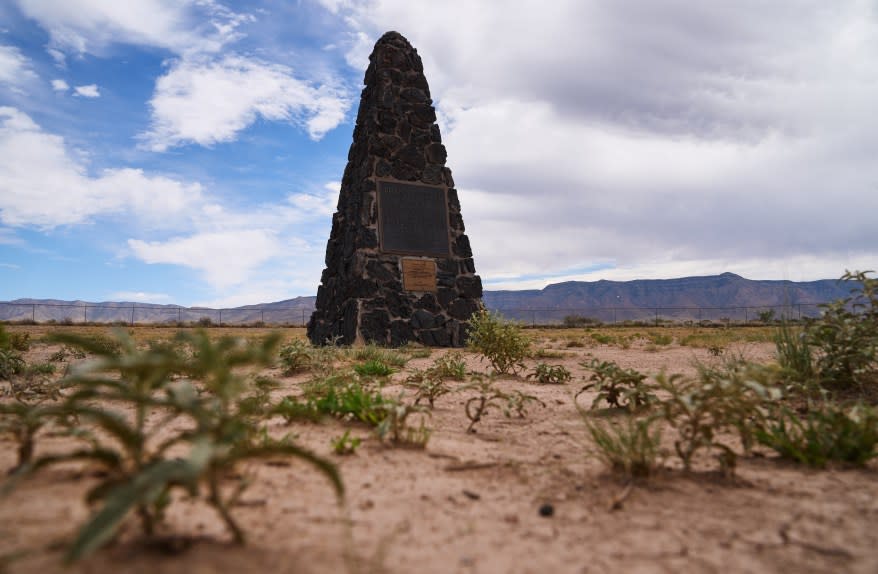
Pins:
x: 132, y: 314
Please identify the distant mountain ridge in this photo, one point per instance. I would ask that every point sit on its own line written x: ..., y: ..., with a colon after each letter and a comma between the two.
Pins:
x: 725, y: 290
x: 552, y: 302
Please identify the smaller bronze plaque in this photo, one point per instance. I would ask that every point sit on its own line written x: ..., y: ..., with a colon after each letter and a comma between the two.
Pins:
x: 419, y: 275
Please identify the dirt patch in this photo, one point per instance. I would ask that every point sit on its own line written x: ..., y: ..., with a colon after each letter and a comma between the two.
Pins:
x: 519, y: 495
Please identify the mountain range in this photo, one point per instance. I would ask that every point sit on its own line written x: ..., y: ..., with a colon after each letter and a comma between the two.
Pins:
x: 713, y: 297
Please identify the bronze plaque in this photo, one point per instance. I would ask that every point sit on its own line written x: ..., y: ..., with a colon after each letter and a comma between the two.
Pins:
x: 413, y: 219
x: 419, y: 275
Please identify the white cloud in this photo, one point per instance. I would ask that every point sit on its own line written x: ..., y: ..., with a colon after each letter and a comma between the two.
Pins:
x: 89, y: 91
x: 60, y: 85
x: 225, y: 257
x: 211, y: 102
x: 42, y: 185
x: 91, y: 26
x: 139, y: 297
x: 652, y: 137
x: 15, y: 68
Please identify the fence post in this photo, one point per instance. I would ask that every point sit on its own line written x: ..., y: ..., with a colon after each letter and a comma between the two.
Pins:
x: 179, y: 314
x: 85, y: 313
x: 262, y: 316
x: 132, y: 315
x: 33, y: 313
x: 220, y: 317
x: 303, y: 317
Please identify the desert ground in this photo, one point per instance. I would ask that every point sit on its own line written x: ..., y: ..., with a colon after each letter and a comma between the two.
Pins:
x: 520, y: 495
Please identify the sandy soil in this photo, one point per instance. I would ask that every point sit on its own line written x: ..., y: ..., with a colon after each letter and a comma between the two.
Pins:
x: 471, y: 503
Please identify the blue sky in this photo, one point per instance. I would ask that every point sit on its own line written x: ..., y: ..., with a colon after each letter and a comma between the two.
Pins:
x: 189, y: 152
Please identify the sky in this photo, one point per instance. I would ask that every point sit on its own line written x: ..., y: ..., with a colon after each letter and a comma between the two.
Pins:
x: 190, y: 151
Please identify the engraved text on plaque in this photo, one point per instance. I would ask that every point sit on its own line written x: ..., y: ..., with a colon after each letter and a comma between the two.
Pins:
x: 413, y: 219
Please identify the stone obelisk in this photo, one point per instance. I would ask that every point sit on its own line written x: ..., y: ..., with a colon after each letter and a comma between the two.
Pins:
x: 399, y: 266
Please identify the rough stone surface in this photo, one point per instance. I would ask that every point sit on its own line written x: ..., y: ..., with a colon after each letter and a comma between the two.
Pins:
x: 361, y: 298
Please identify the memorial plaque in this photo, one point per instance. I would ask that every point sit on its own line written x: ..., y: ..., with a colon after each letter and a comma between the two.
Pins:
x: 419, y: 275
x: 412, y: 219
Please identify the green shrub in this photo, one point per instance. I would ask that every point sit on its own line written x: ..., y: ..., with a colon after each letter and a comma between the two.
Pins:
x: 826, y: 434
x: 618, y: 387
x: 631, y: 449
x: 846, y: 336
x: 502, y: 342
x: 550, y: 374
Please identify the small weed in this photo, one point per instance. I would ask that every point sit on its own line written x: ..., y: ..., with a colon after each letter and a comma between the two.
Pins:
x: 395, y: 428
x: 542, y: 353
x: 389, y: 357
x: 488, y: 397
x: 345, y: 444
x: 717, y: 401
x: 295, y: 356
x: 451, y: 365
x: 630, y: 449
x: 618, y: 387
x: 293, y: 410
x: 659, y: 339
x: 11, y: 364
x: 827, y: 434
x: 428, y: 384
x: 373, y: 368
x: 550, y: 374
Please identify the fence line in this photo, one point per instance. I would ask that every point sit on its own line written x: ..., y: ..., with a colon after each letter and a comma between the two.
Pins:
x: 69, y: 313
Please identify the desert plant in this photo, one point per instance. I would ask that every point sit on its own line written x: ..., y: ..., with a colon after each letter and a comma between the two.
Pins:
x: 543, y: 353
x: 702, y: 408
x: 846, y: 335
x: 22, y: 420
x: 794, y: 353
x: 130, y: 395
x: 501, y: 342
x: 828, y: 433
x: 371, y: 352
x: 451, y: 365
x: 630, y: 448
x: 490, y: 397
x: 345, y: 444
x: 394, y: 424
x: 292, y: 410
x: 428, y: 385
x: 550, y: 374
x: 295, y: 356
x: 11, y: 364
x: 618, y: 387
x: 373, y: 368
